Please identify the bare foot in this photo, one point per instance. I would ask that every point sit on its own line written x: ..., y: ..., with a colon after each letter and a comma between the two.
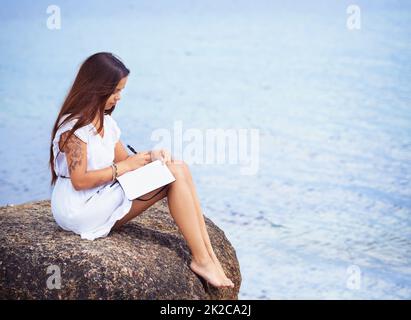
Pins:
x: 228, y: 281
x: 209, y: 272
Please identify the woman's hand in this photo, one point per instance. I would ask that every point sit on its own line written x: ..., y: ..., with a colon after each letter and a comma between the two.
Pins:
x: 161, y: 154
x: 138, y: 160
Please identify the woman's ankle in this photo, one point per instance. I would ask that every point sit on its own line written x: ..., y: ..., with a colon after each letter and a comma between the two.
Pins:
x: 202, y: 260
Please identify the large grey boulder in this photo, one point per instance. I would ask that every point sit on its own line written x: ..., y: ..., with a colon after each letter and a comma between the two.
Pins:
x: 147, y: 258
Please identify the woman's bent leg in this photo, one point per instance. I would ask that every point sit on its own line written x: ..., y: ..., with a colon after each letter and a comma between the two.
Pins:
x: 203, y: 227
x: 184, y: 213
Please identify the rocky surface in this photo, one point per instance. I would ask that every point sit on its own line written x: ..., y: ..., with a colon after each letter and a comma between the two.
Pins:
x: 147, y: 258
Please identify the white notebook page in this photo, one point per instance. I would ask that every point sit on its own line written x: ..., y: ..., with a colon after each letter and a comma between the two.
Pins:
x: 145, y: 179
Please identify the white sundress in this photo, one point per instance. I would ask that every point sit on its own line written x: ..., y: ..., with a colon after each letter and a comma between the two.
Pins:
x: 93, y: 218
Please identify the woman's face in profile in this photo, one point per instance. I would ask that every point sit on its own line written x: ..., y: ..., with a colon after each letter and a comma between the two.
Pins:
x: 115, y: 97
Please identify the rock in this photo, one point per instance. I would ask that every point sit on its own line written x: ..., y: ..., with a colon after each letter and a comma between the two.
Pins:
x: 147, y: 258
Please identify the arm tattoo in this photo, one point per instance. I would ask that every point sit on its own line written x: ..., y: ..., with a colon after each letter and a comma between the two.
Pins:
x: 73, y: 151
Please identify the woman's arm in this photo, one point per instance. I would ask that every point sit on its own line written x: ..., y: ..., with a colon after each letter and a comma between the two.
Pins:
x: 76, y: 155
x: 120, y: 153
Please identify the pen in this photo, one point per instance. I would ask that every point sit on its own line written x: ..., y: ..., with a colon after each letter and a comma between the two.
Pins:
x: 132, y: 149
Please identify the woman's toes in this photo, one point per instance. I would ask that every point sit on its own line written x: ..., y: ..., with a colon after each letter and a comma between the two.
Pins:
x: 230, y: 284
x: 209, y: 273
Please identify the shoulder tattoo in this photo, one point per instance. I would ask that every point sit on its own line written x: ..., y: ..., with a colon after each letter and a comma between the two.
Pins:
x: 73, y: 150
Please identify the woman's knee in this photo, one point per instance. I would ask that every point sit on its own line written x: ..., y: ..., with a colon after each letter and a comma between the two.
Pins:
x: 187, y: 172
x: 179, y: 169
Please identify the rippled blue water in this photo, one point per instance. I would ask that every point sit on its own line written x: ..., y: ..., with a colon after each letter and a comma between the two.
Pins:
x: 333, y: 190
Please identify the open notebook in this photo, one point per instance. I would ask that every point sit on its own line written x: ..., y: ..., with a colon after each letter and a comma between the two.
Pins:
x: 145, y: 179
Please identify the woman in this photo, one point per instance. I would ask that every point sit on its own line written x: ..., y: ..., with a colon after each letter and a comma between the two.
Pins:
x: 86, y: 156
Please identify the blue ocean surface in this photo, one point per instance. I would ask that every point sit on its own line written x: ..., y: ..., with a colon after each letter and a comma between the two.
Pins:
x: 328, y: 213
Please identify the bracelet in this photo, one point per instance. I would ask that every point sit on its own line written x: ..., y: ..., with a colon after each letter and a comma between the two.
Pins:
x: 115, y: 172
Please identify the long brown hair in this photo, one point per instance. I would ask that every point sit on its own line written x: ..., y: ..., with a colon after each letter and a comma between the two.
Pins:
x: 94, y: 84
